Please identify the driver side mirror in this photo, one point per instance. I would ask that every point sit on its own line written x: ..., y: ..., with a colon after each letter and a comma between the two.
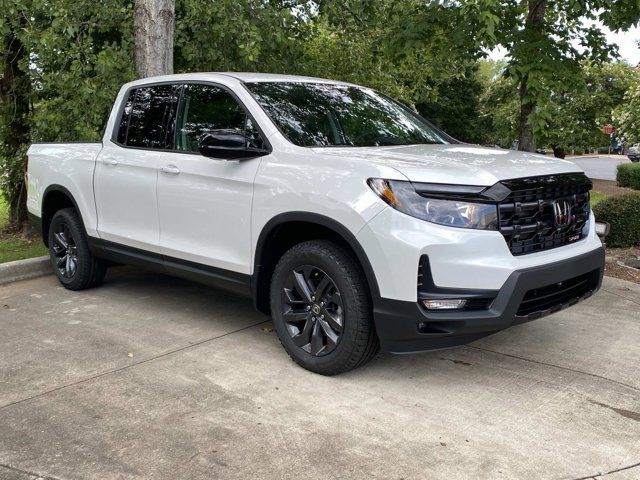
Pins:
x: 228, y: 146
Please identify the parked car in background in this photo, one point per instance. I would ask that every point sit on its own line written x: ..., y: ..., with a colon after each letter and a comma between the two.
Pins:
x: 633, y: 153
x: 347, y: 217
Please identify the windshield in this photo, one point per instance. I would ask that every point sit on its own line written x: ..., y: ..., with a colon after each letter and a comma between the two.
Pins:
x: 320, y: 115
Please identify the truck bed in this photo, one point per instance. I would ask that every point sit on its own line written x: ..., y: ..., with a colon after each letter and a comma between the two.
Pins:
x: 63, y: 166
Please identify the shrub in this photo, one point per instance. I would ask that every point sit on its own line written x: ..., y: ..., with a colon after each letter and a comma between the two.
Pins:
x: 623, y: 214
x: 628, y: 175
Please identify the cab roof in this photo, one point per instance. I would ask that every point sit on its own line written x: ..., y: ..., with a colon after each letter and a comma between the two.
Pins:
x: 239, y: 76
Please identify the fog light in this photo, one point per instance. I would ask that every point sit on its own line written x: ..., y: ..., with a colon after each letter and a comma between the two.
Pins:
x: 602, y: 229
x: 449, y: 304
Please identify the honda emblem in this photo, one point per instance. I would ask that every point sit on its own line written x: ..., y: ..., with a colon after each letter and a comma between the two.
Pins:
x: 562, y: 213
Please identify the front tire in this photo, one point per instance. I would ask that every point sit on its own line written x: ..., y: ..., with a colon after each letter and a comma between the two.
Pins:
x: 72, y: 260
x: 321, y: 308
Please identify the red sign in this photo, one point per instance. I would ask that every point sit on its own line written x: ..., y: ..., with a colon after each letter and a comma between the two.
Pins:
x: 609, y: 129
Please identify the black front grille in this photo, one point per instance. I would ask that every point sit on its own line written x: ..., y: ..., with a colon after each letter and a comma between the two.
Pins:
x: 553, y: 297
x: 527, y: 217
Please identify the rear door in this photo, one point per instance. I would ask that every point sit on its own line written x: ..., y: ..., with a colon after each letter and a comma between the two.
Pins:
x: 204, y: 203
x: 127, y: 170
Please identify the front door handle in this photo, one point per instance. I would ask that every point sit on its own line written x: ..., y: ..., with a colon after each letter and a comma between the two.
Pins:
x: 170, y: 169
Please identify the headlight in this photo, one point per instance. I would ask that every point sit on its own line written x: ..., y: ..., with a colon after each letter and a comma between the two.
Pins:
x: 450, y: 212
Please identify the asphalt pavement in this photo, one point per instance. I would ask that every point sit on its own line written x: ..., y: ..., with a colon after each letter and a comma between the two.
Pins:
x: 600, y: 167
x: 154, y: 377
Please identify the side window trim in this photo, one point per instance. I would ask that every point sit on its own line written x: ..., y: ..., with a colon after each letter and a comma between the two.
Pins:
x: 133, y: 104
x: 173, y: 117
x: 183, y: 84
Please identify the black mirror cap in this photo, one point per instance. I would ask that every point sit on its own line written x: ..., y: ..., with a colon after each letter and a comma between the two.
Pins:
x: 228, y: 146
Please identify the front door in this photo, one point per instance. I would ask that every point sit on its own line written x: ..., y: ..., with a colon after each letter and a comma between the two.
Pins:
x: 204, y: 204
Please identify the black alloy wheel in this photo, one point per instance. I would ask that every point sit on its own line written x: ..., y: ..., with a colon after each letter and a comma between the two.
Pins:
x: 313, y: 310
x: 71, y: 258
x: 65, y: 251
x: 321, y: 308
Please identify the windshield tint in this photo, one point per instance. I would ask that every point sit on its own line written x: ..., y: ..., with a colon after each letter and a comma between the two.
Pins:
x: 318, y: 115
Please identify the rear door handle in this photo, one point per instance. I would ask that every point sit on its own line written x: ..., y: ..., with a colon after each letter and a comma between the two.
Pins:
x: 170, y: 169
x: 111, y: 161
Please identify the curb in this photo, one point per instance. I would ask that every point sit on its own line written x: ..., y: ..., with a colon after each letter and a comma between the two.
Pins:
x: 24, y: 269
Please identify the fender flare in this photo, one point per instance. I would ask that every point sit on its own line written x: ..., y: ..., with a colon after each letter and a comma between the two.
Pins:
x: 300, y: 216
x: 43, y: 219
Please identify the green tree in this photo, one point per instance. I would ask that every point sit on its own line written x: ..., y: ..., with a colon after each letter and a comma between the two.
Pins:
x: 499, y: 107
x: 241, y: 35
x: 401, y: 47
x: 82, y: 53
x: 578, y: 116
x: 545, y: 41
x: 15, y: 90
x: 456, y: 107
x: 627, y: 115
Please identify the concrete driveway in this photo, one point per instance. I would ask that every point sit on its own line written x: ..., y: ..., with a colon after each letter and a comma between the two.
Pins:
x: 153, y: 377
x: 600, y: 167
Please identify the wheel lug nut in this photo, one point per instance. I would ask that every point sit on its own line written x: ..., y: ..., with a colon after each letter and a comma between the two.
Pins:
x: 321, y: 317
x: 313, y: 298
x: 308, y: 307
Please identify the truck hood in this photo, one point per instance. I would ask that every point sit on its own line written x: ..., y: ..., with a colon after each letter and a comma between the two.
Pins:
x: 460, y: 164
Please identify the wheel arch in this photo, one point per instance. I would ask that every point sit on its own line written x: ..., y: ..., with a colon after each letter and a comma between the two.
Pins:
x: 54, y: 198
x: 288, y: 229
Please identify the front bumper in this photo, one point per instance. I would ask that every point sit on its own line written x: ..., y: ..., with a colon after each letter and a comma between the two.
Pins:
x: 527, y: 294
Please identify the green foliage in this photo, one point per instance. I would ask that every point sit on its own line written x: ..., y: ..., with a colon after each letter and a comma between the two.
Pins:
x: 401, y: 48
x: 544, y: 57
x: 12, y: 168
x: 578, y: 116
x: 499, y: 106
x: 623, y: 213
x: 627, y: 115
x: 240, y: 35
x: 456, y: 109
x: 628, y: 175
x: 4, y: 213
x: 83, y: 54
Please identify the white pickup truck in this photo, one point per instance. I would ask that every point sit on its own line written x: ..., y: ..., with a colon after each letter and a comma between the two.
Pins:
x: 351, y: 220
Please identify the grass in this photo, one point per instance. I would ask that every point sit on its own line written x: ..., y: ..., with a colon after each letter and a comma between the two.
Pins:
x: 16, y: 247
x: 596, y: 197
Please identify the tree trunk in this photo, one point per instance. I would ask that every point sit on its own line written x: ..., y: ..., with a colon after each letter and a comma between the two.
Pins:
x: 15, y: 89
x: 526, y: 140
x: 533, y: 26
x: 153, y: 35
x: 558, y: 151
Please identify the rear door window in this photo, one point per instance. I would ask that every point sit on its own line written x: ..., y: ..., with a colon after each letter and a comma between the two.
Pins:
x: 151, y: 117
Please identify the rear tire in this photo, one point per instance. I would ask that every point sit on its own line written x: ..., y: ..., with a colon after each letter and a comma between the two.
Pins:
x: 72, y: 260
x: 321, y: 308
